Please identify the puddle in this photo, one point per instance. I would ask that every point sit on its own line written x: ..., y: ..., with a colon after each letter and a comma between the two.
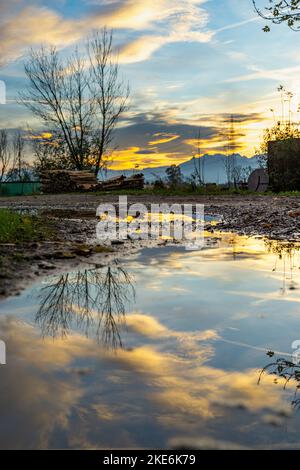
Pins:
x: 163, y: 348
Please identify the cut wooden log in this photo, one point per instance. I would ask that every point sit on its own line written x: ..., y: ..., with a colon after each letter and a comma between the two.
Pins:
x: 67, y: 181
x: 54, y: 181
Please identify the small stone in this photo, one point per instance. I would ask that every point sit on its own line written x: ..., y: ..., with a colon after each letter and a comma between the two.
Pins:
x: 101, y: 249
x: 46, y: 265
x: 294, y: 214
x: 82, y: 250
x: 64, y: 255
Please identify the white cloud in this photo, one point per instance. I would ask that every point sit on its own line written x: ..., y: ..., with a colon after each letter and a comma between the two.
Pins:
x: 162, y: 22
x: 259, y: 74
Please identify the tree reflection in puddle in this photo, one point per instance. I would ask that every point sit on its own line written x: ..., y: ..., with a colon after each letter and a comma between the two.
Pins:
x: 194, y: 345
x: 97, y: 298
x: 88, y: 299
x: 288, y: 254
x: 285, y: 372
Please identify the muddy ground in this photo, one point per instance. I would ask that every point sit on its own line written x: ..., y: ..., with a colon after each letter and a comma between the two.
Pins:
x: 73, y: 219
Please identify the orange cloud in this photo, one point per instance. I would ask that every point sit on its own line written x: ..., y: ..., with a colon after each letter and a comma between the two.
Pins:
x: 247, y: 134
x: 164, y: 138
x: 215, y: 145
x: 128, y: 158
x: 42, y: 135
x: 32, y: 25
x: 140, y: 49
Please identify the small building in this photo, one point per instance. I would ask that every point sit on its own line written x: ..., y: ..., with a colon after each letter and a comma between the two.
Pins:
x: 284, y: 164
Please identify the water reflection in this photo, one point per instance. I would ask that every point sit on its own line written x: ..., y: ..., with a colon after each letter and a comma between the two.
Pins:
x: 287, y: 253
x: 286, y: 373
x: 96, y: 299
x: 89, y: 299
x: 194, y: 345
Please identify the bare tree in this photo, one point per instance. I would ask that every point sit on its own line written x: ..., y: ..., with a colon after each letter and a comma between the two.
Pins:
x: 78, y: 100
x: 88, y: 299
x: 228, y: 166
x: 49, y: 152
x: 5, y: 154
x: 230, y: 160
x: 18, y: 145
x: 174, y: 176
x: 199, y: 163
x: 109, y: 91
x: 117, y: 290
x: 57, y: 94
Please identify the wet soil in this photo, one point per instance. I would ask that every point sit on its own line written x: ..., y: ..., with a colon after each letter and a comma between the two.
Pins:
x: 74, y: 222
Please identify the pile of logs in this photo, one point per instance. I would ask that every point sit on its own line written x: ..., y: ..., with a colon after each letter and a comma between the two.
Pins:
x: 60, y: 181
x: 53, y: 181
x: 121, y: 182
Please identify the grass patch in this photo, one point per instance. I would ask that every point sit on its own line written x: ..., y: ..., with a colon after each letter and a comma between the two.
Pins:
x: 186, y: 191
x: 287, y: 193
x: 179, y: 191
x: 18, y: 228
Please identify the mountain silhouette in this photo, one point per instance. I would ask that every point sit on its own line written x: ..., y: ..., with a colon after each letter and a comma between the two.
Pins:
x: 214, y: 168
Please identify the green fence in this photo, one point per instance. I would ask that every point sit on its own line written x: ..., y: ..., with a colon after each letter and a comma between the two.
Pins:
x: 19, y: 189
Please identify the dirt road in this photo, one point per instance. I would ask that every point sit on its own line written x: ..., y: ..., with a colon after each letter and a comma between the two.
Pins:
x: 273, y: 216
x: 73, y: 217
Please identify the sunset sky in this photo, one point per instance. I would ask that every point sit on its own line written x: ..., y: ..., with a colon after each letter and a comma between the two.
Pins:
x: 190, y: 63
